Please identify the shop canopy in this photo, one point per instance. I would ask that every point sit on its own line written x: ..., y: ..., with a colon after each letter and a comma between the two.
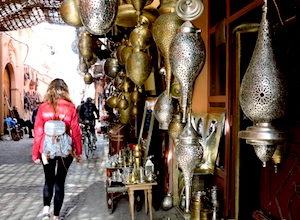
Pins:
x: 19, y: 14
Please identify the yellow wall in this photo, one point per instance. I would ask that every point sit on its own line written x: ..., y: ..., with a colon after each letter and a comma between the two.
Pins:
x: 200, y: 93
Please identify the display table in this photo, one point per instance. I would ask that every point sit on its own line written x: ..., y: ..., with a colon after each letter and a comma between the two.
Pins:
x: 147, y: 187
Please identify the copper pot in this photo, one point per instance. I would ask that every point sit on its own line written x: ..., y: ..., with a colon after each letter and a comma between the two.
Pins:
x: 69, y: 11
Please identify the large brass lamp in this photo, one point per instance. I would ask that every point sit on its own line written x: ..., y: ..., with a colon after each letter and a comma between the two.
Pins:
x: 263, y: 96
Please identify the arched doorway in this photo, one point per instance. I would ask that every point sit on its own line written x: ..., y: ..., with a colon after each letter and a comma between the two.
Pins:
x: 6, y: 91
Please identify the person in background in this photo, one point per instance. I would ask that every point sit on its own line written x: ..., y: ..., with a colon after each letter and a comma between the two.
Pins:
x: 22, y: 122
x: 57, y: 105
x: 78, y: 109
x: 87, y: 115
x: 34, y: 112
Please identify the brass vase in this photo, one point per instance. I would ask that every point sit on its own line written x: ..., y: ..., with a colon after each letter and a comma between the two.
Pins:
x: 69, y: 11
x: 188, y: 153
x: 263, y: 95
x: 187, y: 57
x: 98, y: 16
x: 164, y: 30
x: 163, y: 110
x: 138, y: 67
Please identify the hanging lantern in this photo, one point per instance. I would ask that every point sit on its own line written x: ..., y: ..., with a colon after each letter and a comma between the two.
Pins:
x: 187, y: 57
x: 189, y: 153
x: 98, y: 16
x: 163, y: 110
x: 263, y: 96
x: 163, y: 31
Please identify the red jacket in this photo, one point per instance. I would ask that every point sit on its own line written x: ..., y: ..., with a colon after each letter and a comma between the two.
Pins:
x: 46, y: 113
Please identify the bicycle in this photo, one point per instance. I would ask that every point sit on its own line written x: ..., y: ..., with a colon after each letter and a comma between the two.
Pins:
x: 87, y: 139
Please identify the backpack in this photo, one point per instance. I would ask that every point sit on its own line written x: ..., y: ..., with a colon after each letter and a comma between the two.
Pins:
x: 57, y: 142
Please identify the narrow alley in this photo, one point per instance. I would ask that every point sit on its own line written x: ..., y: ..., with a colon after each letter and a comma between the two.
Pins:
x: 21, y: 184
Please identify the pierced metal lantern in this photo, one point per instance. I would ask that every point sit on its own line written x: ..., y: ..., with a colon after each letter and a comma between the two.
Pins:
x: 189, y: 153
x: 163, y: 110
x: 263, y: 96
x: 187, y: 57
x: 98, y: 16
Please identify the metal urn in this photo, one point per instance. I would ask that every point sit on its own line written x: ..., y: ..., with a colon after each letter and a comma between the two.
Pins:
x: 187, y: 57
x: 98, y: 16
x: 263, y: 96
x: 163, y: 110
x: 188, y: 153
x: 69, y: 11
x: 163, y: 31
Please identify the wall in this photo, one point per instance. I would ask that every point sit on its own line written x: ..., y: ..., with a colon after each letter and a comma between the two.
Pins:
x: 11, y: 57
x: 200, y: 93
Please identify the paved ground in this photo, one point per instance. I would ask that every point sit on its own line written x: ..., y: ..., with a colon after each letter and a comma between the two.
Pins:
x: 21, y: 184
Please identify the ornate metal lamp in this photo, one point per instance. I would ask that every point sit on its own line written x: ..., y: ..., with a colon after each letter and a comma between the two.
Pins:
x: 263, y: 96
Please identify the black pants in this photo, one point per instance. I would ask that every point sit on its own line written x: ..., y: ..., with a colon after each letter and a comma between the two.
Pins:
x: 55, y: 179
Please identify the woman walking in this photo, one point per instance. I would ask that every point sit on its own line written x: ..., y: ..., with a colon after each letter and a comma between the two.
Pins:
x: 57, y: 106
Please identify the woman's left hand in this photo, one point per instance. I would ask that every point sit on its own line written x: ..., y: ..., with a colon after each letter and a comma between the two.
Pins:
x: 79, y: 159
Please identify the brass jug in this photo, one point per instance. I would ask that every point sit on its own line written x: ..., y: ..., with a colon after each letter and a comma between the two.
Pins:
x: 138, y: 67
x: 69, y: 11
x: 164, y: 30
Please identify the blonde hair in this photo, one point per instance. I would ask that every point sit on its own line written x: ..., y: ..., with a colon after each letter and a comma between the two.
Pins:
x: 57, y: 89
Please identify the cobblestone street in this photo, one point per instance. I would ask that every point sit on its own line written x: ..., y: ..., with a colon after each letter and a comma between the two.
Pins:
x: 21, y: 185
